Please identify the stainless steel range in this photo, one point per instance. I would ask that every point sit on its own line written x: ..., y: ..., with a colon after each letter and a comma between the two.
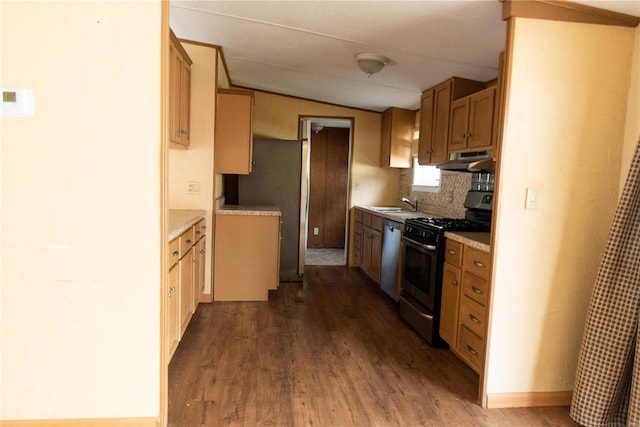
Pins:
x: 423, y: 258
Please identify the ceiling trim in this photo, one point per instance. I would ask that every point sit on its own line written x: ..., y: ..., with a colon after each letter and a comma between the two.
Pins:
x: 307, y: 99
x: 562, y: 10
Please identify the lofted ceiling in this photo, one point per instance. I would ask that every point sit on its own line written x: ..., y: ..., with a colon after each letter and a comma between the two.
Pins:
x: 306, y: 48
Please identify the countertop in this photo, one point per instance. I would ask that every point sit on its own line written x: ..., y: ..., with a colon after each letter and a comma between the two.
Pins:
x: 478, y: 241
x: 248, y: 210
x: 181, y: 219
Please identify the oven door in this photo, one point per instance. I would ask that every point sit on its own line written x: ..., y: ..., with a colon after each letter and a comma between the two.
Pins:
x: 419, y: 271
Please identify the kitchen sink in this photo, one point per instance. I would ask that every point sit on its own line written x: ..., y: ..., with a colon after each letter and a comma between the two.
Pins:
x: 384, y: 208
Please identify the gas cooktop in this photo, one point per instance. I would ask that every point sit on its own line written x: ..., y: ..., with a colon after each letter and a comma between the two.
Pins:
x: 450, y: 224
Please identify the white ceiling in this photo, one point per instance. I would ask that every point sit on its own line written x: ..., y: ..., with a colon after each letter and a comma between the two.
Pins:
x: 306, y: 48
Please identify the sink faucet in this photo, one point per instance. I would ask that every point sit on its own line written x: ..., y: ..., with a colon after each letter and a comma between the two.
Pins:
x: 413, y: 205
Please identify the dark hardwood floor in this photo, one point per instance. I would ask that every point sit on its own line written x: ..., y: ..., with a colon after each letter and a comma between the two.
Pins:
x: 329, y: 352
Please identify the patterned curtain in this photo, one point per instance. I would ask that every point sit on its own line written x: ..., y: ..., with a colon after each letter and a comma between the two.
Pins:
x: 607, y: 387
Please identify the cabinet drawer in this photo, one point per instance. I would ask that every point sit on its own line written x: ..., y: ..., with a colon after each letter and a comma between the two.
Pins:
x: 186, y: 241
x: 453, y: 252
x: 358, y: 215
x: 366, y: 219
x: 377, y: 223
x: 357, y: 241
x: 470, y: 348
x: 200, y: 229
x: 476, y: 262
x: 473, y: 316
x: 475, y: 288
x: 173, y: 255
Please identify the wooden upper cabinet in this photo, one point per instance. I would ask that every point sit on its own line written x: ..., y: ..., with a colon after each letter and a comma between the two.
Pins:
x: 234, y: 132
x: 397, y: 134
x: 435, y: 107
x: 426, y: 127
x: 472, y: 122
x: 179, y: 93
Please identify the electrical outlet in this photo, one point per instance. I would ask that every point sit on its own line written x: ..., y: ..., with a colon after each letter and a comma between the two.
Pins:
x: 357, y: 186
x: 193, y: 187
x: 451, y: 196
x: 316, y: 231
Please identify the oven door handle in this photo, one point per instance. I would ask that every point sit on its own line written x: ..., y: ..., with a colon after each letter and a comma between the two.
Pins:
x: 421, y: 245
x: 417, y: 310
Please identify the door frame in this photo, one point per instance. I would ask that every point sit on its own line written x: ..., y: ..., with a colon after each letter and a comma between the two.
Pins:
x: 304, y: 134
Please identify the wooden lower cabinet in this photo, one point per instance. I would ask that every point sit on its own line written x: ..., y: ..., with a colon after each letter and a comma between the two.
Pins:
x: 186, y: 292
x: 247, y: 261
x: 173, y: 331
x: 465, y: 293
x: 198, y: 272
x: 450, y: 300
x: 368, y: 243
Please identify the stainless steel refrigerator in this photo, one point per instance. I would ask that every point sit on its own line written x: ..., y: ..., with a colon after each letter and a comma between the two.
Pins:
x: 276, y: 179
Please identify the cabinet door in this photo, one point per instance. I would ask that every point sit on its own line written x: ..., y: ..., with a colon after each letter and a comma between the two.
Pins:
x: 366, y: 249
x: 185, y: 103
x: 385, y: 139
x: 441, y: 113
x: 376, y: 255
x: 459, y: 125
x: 426, y: 127
x: 481, y: 106
x: 195, y: 287
x: 203, y: 262
x: 186, y: 292
x: 234, y: 132
x: 175, y: 64
x: 450, y: 303
x: 172, y: 310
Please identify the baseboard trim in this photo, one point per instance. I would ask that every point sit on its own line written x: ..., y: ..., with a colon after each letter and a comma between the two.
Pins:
x: 207, y: 298
x: 84, y: 422
x: 529, y: 399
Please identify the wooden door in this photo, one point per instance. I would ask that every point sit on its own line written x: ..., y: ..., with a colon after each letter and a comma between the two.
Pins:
x: 172, y: 302
x: 426, y: 127
x: 459, y: 124
x: 376, y: 255
x: 329, y: 165
x: 450, y: 300
x: 481, y: 110
x: 442, y: 106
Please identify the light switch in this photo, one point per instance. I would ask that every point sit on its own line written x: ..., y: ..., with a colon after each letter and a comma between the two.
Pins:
x: 316, y: 231
x: 194, y: 187
x: 531, y: 199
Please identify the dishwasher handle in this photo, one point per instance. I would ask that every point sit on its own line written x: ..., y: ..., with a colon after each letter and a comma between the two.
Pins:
x: 393, y: 226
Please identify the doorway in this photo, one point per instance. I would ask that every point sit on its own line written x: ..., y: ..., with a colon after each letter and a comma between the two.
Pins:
x: 326, y: 230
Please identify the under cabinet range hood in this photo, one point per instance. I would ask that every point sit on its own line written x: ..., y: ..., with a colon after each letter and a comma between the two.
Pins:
x: 474, y: 161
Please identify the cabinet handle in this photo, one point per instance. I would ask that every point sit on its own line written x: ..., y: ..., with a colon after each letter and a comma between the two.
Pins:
x: 172, y: 289
x: 202, y: 251
x: 454, y: 282
x: 479, y: 264
x: 204, y: 227
x: 468, y: 135
x: 198, y: 232
x: 194, y: 260
x: 471, y: 350
x: 462, y: 135
x: 476, y: 290
x: 176, y: 253
x: 189, y: 242
x: 474, y: 319
x: 451, y: 251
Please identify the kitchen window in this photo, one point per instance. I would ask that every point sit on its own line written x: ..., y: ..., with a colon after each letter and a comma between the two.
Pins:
x: 425, y: 178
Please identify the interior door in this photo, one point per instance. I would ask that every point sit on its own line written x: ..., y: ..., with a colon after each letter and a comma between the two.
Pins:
x: 328, y: 175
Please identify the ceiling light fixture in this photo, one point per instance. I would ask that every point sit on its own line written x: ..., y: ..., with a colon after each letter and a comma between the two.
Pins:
x: 316, y: 127
x: 371, y: 63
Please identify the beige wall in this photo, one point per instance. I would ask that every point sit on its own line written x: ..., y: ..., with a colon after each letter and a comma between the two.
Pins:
x: 81, y: 211
x: 632, y: 124
x: 196, y: 163
x: 563, y: 136
x: 277, y: 117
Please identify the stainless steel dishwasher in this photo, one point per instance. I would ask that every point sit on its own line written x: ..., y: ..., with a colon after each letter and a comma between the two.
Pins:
x: 390, y: 255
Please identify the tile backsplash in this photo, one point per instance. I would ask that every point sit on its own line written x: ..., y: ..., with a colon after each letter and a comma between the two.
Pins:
x: 449, y: 202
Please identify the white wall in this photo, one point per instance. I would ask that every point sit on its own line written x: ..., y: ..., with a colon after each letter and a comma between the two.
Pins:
x: 81, y: 211
x: 563, y: 136
x: 196, y: 163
